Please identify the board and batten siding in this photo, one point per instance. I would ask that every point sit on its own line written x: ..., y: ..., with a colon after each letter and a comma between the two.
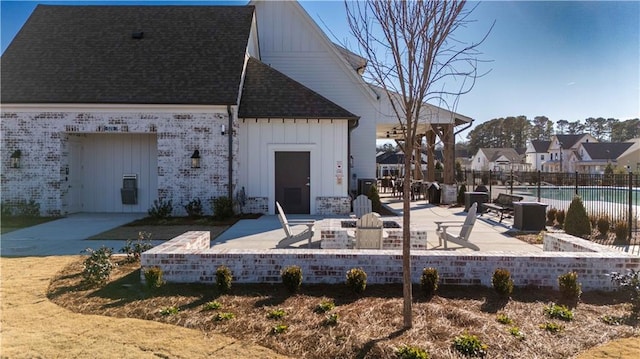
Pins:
x: 325, y: 140
x: 106, y: 159
x: 292, y: 43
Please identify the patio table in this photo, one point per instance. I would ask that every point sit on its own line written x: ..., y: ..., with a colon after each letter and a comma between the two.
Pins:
x: 333, y: 233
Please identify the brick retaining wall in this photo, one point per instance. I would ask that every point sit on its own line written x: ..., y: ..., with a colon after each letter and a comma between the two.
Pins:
x: 188, y: 258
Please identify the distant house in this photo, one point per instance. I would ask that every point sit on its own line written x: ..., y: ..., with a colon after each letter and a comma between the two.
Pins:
x: 537, y: 153
x: 631, y: 157
x: 595, y: 157
x: 563, y: 152
x: 498, y: 160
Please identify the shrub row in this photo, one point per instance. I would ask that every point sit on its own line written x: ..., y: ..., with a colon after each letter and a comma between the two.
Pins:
x: 222, y: 208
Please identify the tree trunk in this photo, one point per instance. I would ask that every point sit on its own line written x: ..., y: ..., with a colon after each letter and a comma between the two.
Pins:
x: 406, y: 245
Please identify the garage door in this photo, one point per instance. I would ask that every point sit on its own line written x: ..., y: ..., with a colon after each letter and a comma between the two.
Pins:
x: 106, y: 159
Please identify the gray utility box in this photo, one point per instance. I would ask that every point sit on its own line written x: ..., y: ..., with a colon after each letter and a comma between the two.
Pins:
x: 529, y: 216
x: 471, y: 197
x: 129, y: 190
x: 365, y: 184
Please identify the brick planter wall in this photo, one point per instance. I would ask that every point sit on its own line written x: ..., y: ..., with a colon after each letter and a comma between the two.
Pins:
x: 188, y: 259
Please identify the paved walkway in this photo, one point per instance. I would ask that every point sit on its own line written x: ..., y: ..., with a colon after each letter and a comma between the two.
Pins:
x: 65, y: 236
x: 68, y: 235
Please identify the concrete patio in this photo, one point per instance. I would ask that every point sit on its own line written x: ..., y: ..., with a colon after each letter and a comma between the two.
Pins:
x: 266, y: 231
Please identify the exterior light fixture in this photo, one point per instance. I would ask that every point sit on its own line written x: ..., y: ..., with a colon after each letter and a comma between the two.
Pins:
x: 195, y: 159
x: 223, y: 130
x: 15, y: 159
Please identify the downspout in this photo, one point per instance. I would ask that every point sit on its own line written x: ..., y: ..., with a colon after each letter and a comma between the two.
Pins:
x: 352, y: 126
x: 464, y: 129
x: 230, y: 164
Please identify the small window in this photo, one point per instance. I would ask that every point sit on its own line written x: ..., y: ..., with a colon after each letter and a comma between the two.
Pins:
x: 542, y: 157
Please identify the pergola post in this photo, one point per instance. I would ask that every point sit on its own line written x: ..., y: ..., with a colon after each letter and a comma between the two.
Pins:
x: 431, y: 155
x: 448, y: 139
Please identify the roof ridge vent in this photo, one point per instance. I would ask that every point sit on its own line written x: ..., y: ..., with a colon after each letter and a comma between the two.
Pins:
x: 137, y: 34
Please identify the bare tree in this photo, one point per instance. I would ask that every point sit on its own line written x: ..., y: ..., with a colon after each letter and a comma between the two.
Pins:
x: 414, y: 58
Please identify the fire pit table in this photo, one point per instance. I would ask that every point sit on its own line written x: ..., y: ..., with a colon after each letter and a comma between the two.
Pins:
x: 333, y: 233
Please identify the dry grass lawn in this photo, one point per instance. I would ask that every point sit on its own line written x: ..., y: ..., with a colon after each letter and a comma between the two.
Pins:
x: 34, y: 327
x: 368, y: 325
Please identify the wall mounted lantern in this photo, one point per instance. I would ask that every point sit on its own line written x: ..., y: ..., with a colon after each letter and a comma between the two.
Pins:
x: 15, y: 159
x: 223, y: 130
x: 195, y: 159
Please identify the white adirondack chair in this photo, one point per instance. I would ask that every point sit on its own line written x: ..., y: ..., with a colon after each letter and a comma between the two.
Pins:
x: 361, y: 206
x: 462, y: 239
x: 369, y: 232
x: 291, y: 237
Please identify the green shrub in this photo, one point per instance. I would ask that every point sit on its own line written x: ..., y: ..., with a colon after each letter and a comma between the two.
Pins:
x: 461, y: 191
x: 28, y: 209
x: 212, y: 305
x: 603, y: 225
x: 555, y: 311
x: 376, y: 205
x: 551, y: 216
x: 594, y: 219
x: 504, y: 319
x: 292, y: 278
x: 6, y: 209
x: 153, y: 277
x: 577, y: 222
x: 98, y: 266
x: 324, y: 306
x: 279, y: 329
x: 502, y: 282
x: 517, y: 333
x: 276, y: 314
x: 223, y: 279
x: 621, y: 229
x: 560, y: 216
x: 429, y: 281
x: 612, y: 320
x: 551, y: 327
x: 194, y: 208
x: 469, y: 345
x: 133, y: 249
x: 161, y: 209
x: 357, y: 279
x: 629, y: 283
x: 411, y: 352
x: 569, y: 287
x: 169, y: 310
x: 224, y: 316
x: 222, y: 208
x: 331, y: 320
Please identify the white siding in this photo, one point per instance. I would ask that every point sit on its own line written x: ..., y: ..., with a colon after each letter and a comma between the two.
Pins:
x: 293, y: 44
x: 258, y: 140
x: 106, y: 159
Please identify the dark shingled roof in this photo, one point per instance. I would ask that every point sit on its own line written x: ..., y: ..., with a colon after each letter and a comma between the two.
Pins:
x: 606, y: 150
x: 268, y: 93
x: 568, y: 140
x: 540, y: 146
x: 87, y: 54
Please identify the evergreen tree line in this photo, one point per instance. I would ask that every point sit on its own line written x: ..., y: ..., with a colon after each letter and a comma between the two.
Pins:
x: 517, y: 131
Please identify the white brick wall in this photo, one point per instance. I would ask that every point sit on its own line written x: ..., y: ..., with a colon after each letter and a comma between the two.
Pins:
x: 42, y: 138
x: 199, y: 263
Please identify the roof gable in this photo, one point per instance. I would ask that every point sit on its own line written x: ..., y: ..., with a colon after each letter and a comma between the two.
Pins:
x: 269, y: 93
x: 606, y: 150
x: 540, y: 146
x: 87, y: 54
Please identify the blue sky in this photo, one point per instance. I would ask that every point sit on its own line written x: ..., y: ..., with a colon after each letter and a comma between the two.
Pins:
x: 564, y: 60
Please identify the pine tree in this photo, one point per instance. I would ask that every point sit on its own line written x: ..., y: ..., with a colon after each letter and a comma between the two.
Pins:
x: 577, y: 221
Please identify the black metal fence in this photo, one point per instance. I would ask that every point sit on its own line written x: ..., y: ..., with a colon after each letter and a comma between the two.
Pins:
x: 615, y: 195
